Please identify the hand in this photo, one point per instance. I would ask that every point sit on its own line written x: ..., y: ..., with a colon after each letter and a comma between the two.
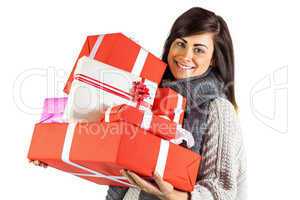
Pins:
x: 164, y: 191
x: 38, y: 163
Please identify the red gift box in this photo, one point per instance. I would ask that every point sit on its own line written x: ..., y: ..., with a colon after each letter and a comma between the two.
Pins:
x: 97, y: 151
x: 119, y: 51
x: 170, y: 103
x: 144, y: 119
x: 155, y: 124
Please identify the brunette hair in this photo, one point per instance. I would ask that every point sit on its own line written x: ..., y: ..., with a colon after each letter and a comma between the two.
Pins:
x: 196, y: 21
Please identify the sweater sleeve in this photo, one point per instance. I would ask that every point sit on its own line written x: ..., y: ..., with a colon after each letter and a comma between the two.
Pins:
x: 223, y: 166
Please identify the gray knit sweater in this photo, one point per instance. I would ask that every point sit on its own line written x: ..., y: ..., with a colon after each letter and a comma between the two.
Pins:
x: 223, y: 174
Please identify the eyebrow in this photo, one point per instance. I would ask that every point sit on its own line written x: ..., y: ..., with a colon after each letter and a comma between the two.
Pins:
x: 198, y: 44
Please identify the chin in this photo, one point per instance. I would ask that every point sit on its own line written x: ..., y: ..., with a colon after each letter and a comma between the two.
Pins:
x: 179, y: 75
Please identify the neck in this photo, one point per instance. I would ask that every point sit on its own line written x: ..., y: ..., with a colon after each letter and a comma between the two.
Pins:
x: 197, y: 89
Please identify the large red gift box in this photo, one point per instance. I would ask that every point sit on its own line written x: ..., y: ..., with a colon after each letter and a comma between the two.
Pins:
x: 97, y: 151
x: 170, y: 103
x: 117, y: 50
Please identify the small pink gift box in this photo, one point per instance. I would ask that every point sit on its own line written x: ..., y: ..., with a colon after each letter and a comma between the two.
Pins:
x: 53, y: 110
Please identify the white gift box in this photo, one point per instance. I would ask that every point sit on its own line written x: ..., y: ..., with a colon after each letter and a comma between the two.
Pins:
x: 98, y: 86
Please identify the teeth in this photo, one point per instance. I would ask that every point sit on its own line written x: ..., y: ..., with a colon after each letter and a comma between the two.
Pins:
x: 184, y: 66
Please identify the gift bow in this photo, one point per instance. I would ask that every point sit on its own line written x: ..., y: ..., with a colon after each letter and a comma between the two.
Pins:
x: 139, y: 91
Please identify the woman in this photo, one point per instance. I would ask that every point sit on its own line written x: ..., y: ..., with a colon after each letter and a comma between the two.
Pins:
x: 200, y: 59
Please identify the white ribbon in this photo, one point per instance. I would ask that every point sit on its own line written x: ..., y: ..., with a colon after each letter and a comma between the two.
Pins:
x: 178, y: 110
x: 107, y: 114
x: 147, y: 119
x: 162, y: 157
x: 139, y: 62
x: 99, y: 176
x: 96, y: 46
x: 183, y: 135
x: 152, y: 90
x: 165, y: 117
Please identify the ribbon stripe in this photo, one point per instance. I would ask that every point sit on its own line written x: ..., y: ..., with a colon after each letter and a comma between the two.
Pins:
x: 99, y: 82
x: 96, y: 46
x: 162, y: 157
x: 108, y: 88
x: 102, y: 87
x: 178, y: 106
x: 107, y: 114
x: 139, y: 62
x: 146, y: 121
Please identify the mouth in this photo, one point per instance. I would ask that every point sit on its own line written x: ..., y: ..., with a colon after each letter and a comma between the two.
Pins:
x: 184, y: 67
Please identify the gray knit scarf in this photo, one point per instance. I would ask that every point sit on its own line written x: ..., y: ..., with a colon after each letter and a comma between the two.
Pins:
x: 199, y: 92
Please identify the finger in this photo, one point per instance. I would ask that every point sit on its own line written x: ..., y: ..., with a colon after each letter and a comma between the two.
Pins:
x: 39, y: 163
x: 44, y: 165
x: 145, y: 185
x: 164, y: 186
x: 33, y: 162
x: 126, y: 175
x: 158, y: 179
x: 131, y: 181
x: 36, y: 162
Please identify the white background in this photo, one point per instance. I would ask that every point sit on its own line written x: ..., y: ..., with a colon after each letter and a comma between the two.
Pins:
x: 39, y: 42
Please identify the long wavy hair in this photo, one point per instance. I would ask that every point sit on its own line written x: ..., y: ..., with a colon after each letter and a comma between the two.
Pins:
x: 196, y: 21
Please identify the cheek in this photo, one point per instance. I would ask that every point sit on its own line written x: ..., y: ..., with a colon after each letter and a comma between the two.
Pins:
x: 173, y: 52
x: 203, y: 62
x: 199, y: 63
x: 171, y: 56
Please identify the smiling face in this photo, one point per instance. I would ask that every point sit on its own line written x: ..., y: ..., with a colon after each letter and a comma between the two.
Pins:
x: 191, y: 56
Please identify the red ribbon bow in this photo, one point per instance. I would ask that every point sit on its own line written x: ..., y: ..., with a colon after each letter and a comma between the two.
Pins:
x: 139, y: 91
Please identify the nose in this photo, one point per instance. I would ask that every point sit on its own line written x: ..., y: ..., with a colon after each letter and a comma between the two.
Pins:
x: 187, y: 54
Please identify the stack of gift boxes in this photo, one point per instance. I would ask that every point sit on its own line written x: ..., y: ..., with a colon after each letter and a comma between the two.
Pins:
x: 115, y: 117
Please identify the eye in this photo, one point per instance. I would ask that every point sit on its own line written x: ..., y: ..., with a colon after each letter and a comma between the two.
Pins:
x: 199, y: 50
x: 180, y: 44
